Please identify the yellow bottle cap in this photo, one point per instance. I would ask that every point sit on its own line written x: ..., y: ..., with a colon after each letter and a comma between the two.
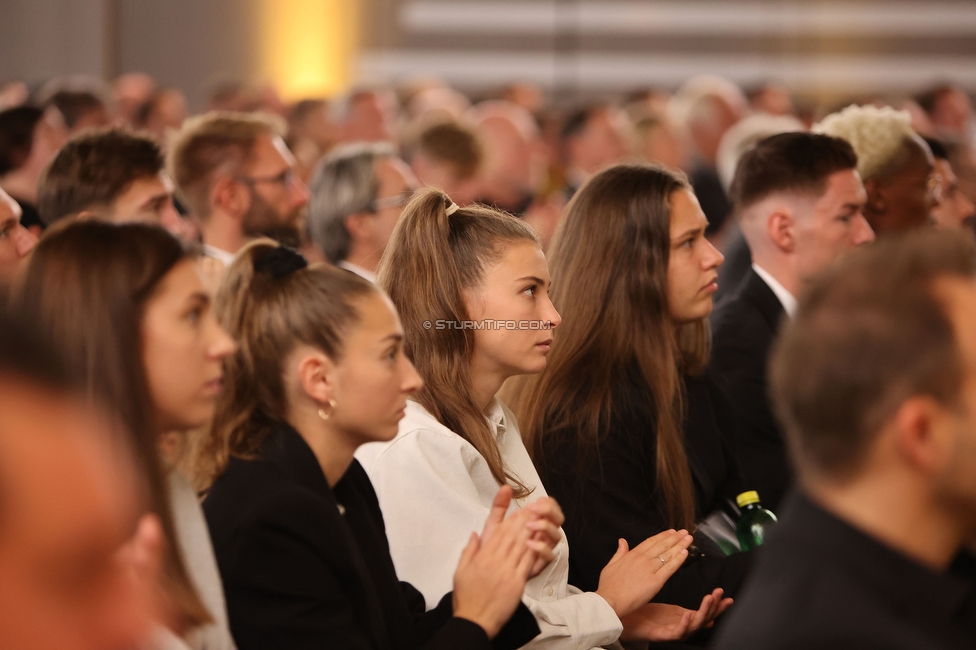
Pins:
x: 746, y: 498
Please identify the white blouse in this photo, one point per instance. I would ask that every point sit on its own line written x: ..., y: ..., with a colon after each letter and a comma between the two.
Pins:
x: 435, y: 489
x: 193, y: 538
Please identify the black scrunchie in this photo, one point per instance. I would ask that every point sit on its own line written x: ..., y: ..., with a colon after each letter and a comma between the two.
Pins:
x: 279, y: 262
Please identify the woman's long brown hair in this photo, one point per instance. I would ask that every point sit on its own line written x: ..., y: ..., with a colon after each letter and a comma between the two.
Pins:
x: 268, y: 316
x: 609, y: 264
x: 431, y: 259
x: 87, y: 283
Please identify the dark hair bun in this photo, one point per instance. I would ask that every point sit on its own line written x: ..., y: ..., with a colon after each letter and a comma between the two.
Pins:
x: 279, y: 262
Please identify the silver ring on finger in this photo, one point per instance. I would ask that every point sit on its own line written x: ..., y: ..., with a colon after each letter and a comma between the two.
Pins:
x: 661, y: 557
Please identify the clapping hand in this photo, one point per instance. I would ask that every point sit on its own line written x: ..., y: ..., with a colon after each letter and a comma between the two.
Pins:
x: 544, y: 518
x: 633, y: 577
x: 491, y: 574
x: 662, y: 622
x: 546, y: 532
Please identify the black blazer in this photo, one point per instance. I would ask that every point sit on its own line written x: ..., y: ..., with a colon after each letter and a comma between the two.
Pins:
x: 612, y: 493
x: 302, y: 571
x: 821, y: 584
x: 743, y: 328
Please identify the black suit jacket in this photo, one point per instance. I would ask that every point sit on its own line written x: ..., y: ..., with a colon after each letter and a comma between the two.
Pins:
x: 821, y: 584
x: 306, y: 566
x: 743, y: 328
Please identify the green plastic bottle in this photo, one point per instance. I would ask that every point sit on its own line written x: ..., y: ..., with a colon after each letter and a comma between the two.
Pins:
x: 754, y: 520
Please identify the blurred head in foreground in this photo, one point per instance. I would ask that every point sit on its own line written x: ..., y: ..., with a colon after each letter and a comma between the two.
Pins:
x: 126, y: 307
x: 66, y: 580
x: 875, y: 380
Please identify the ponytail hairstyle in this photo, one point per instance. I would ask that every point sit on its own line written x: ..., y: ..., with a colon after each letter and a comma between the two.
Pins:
x: 271, y: 301
x: 431, y: 259
x: 87, y: 284
x: 609, y: 258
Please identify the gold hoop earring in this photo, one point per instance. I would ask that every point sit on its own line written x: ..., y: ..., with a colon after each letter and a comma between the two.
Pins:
x: 323, y: 414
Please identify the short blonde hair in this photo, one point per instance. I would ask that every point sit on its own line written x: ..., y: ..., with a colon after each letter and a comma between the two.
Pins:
x: 877, y: 134
x: 215, y: 141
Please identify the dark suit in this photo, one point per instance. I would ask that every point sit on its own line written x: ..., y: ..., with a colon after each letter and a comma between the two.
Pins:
x: 821, y: 584
x: 743, y: 328
x: 298, y: 573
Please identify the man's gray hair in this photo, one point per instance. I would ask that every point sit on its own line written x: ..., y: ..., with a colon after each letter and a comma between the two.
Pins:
x: 343, y: 183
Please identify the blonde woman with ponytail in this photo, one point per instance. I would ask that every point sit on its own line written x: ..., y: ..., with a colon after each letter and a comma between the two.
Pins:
x: 471, y: 287
x: 295, y: 524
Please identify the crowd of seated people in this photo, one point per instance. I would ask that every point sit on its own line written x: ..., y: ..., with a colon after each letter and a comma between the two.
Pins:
x: 409, y: 368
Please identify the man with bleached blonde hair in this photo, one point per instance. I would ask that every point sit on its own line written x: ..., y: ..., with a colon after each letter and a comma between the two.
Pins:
x: 895, y: 164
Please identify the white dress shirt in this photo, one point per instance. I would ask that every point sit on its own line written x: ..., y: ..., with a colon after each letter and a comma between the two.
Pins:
x: 193, y: 537
x: 787, y: 299
x: 435, y: 489
x: 358, y: 270
x: 219, y: 254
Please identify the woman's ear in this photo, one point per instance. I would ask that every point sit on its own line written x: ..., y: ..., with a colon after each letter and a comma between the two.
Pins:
x: 316, y: 376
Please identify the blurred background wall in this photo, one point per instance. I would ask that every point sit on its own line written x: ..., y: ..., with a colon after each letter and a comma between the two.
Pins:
x: 582, y: 46
x: 306, y: 47
x: 572, y: 48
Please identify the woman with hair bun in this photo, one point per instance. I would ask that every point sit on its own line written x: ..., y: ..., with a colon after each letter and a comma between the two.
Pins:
x: 298, y: 534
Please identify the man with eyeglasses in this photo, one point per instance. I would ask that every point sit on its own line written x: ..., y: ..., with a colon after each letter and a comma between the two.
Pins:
x: 357, y: 194
x: 237, y: 177
x: 895, y: 164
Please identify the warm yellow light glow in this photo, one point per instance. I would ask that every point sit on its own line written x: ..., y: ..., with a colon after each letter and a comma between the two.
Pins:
x: 308, y: 45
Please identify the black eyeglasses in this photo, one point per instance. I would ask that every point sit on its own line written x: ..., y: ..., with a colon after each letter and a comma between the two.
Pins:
x: 396, y: 201
x: 285, y: 178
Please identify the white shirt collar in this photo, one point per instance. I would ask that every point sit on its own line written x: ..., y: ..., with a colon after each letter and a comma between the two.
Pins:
x: 496, y: 417
x: 222, y: 256
x: 358, y: 270
x: 787, y: 299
